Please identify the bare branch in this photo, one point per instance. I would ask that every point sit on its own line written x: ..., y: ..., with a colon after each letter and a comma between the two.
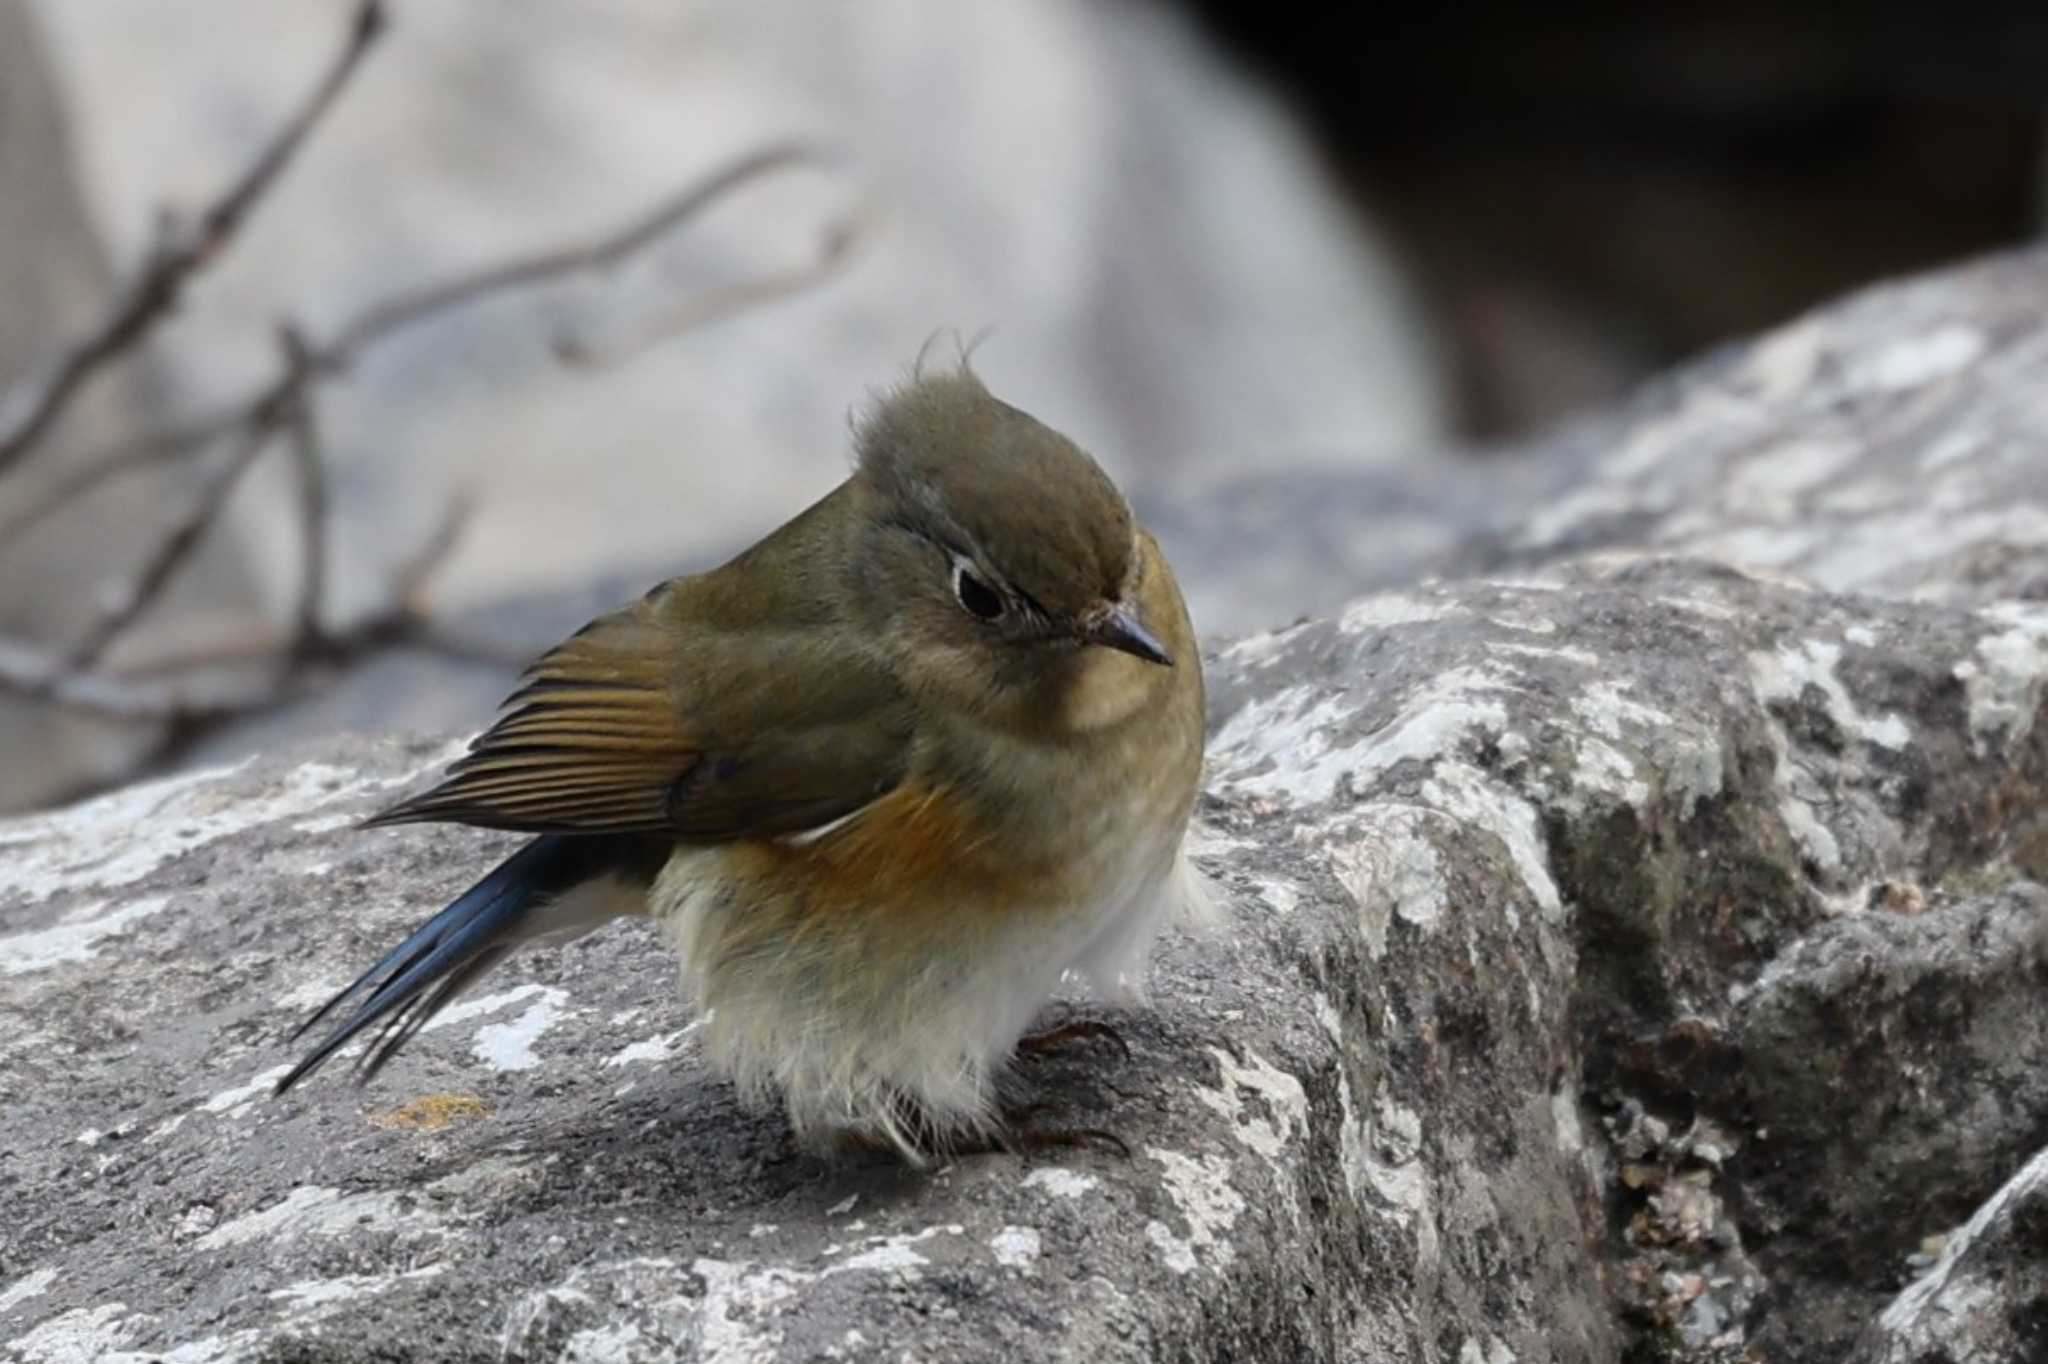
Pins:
x: 203, y: 686
x: 284, y: 404
x: 266, y: 670
x: 218, y: 224
x: 30, y: 671
x: 130, y: 456
x: 409, y: 582
x: 200, y: 688
x: 394, y: 314
x: 27, y: 411
x: 835, y: 245
x: 303, y: 432
x: 402, y: 310
x: 121, y: 607
x: 458, y: 647
x: 189, y: 687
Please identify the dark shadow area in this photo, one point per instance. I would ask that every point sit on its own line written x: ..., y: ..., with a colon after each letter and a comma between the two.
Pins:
x: 1588, y: 199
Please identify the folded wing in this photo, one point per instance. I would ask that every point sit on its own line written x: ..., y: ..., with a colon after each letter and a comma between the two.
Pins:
x: 645, y: 722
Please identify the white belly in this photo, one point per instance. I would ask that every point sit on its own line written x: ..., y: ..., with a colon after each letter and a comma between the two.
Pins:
x: 862, y: 1029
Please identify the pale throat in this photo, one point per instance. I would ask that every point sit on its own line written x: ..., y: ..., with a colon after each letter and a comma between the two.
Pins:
x: 1106, y: 688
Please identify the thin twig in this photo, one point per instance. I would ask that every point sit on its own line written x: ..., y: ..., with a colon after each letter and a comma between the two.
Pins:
x: 404, y: 620
x: 264, y: 644
x: 130, y: 456
x: 402, y: 310
x: 393, y: 314
x: 38, y: 673
x: 201, y: 685
x: 288, y: 406
x: 303, y: 432
x: 440, y: 640
x: 204, y: 686
x: 181, y: 691
x: 835, y: 244
x: 409, y: 580
x: 121, y: 607
x: 283, y: 404
x: 27, y: 411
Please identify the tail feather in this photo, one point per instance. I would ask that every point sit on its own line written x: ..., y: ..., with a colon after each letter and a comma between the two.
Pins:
x: 479, y: 897
x: 408, y: 1018
x: 444, y: 956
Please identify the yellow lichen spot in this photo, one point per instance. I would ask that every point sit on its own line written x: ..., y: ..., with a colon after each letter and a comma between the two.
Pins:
x: 432, y: 1112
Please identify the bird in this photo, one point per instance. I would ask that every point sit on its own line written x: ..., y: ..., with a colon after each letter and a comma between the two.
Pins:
x: 885, y: 780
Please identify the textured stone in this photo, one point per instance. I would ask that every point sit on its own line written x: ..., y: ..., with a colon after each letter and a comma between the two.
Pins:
x: 1894, y: 443
x: 1985, y: 1299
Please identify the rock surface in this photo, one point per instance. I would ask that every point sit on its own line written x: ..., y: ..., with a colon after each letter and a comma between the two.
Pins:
x: 1629, y: 954
x: 1890, y: 444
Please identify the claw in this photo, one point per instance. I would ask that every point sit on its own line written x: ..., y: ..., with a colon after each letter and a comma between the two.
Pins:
x: 1056, y: 1138
x: 1079, y: 1030
x: 1012, y: 1138
x: 1015, y: 1139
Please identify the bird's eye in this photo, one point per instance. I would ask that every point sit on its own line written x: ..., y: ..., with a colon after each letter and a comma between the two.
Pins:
x: 980, y: 600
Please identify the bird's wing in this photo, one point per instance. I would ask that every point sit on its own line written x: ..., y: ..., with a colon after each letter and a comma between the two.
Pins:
x: 644, y: 722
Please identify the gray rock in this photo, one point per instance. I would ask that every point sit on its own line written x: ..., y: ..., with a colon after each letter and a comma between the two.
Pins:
x: 1890, y: 1072
x: 1890, y: 444
x: 1983, y: 1300
x: 1895, y: 443
x: 1626, y: 956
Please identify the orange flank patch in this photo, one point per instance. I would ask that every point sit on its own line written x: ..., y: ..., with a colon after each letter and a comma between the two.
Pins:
x: 913, y: 846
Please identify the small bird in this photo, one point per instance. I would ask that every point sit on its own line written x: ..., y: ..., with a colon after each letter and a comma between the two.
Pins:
x: 883, y: 780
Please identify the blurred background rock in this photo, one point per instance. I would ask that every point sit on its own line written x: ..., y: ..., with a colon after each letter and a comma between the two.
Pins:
x: 1276, y: 268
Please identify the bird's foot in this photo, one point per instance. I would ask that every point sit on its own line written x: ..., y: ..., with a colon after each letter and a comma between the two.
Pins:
x: 1013, y: 1138
x: 1066, y: 1034
x: 1016, y: 1137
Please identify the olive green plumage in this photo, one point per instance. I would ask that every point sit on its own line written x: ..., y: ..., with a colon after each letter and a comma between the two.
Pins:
x: 917, y: 755
x: 786, y: 688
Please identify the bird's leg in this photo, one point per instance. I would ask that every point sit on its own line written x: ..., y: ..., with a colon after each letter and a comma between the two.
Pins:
x: 1076, y: 1030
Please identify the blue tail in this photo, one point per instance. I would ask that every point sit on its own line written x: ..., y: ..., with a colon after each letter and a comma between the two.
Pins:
x: 422, y: 975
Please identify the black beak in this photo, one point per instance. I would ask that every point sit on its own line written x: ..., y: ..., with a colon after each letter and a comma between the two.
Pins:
x: 1119, y: 628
